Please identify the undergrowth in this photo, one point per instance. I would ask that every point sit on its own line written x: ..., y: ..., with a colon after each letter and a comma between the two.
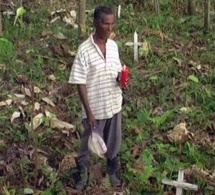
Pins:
x: 172, y: 84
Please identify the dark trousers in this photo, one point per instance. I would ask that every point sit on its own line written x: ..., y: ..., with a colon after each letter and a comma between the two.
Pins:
x: 109, y: 130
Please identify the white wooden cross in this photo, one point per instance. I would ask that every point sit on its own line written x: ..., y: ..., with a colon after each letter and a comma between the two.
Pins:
x: 180, y: 184
x: 119, y: 11
x: 136, y: 44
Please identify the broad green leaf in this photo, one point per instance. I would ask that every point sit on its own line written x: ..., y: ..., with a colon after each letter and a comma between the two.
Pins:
x: 28, y: 191
x: 4, y: 40
x: 6, y: 48
x: 209, y: 92
x: 144, y: 49
x: 19, y: 12
x: 153, y: 78
x: 185, y: 109
x: 193, y: 78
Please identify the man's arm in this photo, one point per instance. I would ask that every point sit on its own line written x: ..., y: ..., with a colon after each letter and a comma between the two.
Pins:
x: 82, y: 91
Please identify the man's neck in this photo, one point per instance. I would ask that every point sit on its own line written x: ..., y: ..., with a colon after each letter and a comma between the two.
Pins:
x: 98, y: 39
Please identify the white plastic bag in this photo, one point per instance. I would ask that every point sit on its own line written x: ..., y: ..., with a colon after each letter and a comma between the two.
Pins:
x: 97, y: 145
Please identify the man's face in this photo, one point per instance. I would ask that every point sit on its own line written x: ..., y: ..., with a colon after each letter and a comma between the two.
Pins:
x: 105, y: 26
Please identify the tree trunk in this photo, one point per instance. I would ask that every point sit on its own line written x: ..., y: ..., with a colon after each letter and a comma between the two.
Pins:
x: 191, y: 7
x: 141, y: 3
x: 1, y: 29
x: 207, y: 15
x: 82, y: 18
x: 157, y: 6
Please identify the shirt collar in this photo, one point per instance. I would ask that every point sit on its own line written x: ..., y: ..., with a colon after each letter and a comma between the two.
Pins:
x: 92, y: 40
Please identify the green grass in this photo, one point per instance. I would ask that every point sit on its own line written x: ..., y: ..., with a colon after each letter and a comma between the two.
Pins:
x: 158, y: 89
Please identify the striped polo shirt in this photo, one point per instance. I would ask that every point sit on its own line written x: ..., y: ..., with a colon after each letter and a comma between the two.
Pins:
x: 99, y: 74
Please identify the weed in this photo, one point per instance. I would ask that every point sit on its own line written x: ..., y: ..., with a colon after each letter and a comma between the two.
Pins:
x: 178, y: 73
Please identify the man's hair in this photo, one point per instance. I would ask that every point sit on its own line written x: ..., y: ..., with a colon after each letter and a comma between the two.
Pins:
x: 102, y: 10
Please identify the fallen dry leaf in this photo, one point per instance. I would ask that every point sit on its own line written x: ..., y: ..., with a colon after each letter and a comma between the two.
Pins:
x: 42, y: 160
x: 118, y: 193
x: 27, y: 91
x: 179, y: 61
x: 24, y: 103
x: 179, y: 133
x: 158, y: 51
x: 73, y: 14
x: 3, y: 103
x: 204, y: 174
x: 37, y: 121
x: 55, y: 50
x: 36, y: 151
x: 20, y: 96
x: 36, y: 106
x: 56, y: 123
x: 46, y: 33
x: 188, y: 46
x: 7, y: 102
x: 22, y: 111
x: 62, y: 66
x: 71, y: 191
x: 58, y: 11
x: 15, y: 115
x: 9, y: 169
x: 41, y: 180
x: 2, y: 142
x: 65, y: 49
x: 69, y: 20
x: 67, y: 163
x: 139, y: 166
x: 37, y: 90
x: 52, y: 77
x: 60, y: 36
x: 2, y: 66
x: 75, y: 26
x: 49, y: 114
x: 55, y: 19
x: 67, y: 132
x: 48, y: 101
x: 72, y: 53
x: 22, y: 79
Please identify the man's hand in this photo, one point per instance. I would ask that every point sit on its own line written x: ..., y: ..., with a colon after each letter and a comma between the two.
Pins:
x: 118, y: 77
x: 119, y: 81
x: 91, y: 121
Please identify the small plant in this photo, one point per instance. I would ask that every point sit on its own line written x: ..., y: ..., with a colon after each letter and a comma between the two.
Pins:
x: 175, y: 83
x: 19, y: 14
x: 7, y: 191
x: 160, y: 120
x: 7, y: 49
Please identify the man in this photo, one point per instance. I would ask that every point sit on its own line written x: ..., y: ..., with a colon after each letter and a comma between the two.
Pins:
x: 96, y: 71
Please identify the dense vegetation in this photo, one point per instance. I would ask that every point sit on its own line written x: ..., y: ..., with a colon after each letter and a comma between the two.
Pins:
x: 168, y: 112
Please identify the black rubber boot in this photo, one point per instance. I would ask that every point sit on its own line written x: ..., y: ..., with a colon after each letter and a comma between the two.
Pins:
x: 82, y: 177
x: 112, y: 171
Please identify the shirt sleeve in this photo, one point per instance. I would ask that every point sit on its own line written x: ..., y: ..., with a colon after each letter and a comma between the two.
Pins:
x: 78, y: 72
x: 118, y: 60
